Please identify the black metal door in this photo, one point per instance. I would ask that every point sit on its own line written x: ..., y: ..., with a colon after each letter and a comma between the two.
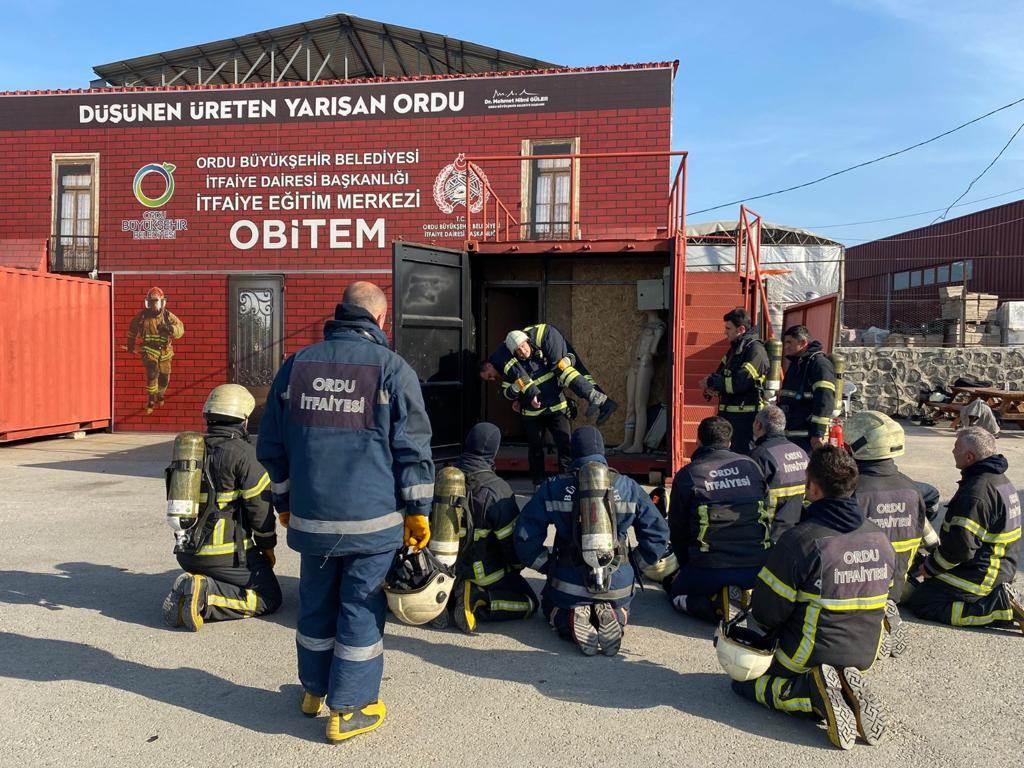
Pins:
x: 255, y: 336
x: 432, y: 332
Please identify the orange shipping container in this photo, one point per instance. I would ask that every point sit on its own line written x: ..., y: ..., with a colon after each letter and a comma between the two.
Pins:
x: 55, y: 354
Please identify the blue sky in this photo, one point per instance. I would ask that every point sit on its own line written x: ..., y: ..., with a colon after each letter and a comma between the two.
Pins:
x: 767, y: 95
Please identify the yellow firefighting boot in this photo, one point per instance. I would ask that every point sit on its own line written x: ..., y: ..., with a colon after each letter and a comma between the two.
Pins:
x: 349, y: 722
x: 311, y: 704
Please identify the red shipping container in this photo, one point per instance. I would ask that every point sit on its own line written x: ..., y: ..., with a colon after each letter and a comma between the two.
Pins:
x: 55, y: 346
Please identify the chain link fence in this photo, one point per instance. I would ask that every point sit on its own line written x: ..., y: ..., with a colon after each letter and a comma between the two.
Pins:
x: 976, y: 302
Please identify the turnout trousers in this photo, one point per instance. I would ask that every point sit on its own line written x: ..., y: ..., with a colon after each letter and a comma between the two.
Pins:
x: 558, y: 425
x: 935, y: 601
x: 340, y: 637
x: 780, y: 689
x: 702, y: 588
x: 742, y: 430
x: 509, y: 598
x: 158, y: 376
x: 237, y: 592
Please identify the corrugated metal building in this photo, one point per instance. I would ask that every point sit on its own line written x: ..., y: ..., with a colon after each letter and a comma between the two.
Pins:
x: 896, y: 279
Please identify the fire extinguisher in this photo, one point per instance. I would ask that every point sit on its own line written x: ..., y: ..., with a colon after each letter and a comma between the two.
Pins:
x: 835, y: 434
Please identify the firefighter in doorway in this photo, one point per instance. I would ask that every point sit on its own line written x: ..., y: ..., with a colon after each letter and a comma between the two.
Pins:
x: 535, y: 365
x: 156, y: 328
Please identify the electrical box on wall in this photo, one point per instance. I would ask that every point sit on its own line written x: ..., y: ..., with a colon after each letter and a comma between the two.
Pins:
x: 650, y: 294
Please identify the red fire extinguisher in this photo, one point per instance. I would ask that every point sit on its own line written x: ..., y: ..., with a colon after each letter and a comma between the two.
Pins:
x: 835, y: 434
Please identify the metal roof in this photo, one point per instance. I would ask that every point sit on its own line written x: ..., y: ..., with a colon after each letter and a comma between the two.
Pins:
x: 335, y: 47
x: 771, y: 234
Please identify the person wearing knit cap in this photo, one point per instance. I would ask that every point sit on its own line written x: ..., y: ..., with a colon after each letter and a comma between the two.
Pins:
x: 588, y: 605
x: 489, y: 584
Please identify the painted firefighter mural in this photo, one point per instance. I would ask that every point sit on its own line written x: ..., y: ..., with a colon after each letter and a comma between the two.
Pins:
x: 155, y: 328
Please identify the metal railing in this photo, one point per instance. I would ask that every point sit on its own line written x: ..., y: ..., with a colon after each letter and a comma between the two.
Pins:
x: 73, y: 253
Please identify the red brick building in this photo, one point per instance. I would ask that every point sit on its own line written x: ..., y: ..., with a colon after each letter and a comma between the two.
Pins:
x: 252, y: 206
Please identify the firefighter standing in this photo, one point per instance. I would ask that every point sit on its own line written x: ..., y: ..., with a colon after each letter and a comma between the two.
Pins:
x: 892, y: 501
x: 490, y: 586
x: 156, y: 328
x: 967, y: 578
x: 822, y: 593
x: 739, y: 378
x: 346, y: 440
x: 784, y: 466
x: 720, y: 523
x: 586, y: 600
x: 228, y: 557
x: 808, y: 394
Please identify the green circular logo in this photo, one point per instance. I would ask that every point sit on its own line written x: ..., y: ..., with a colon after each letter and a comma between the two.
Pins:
x: 165, y: 170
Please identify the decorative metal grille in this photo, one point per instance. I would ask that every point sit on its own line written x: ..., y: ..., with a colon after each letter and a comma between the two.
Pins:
x: 254, y: 342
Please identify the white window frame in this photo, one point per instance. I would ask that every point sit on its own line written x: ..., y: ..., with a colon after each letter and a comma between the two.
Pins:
x: 92, y: 159
x: 528, y: 147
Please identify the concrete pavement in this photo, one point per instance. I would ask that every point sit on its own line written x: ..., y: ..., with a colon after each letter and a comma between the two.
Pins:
x: 89, y: 676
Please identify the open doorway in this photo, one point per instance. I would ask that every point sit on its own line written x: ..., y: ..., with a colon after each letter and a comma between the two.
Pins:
x: 505, y: 307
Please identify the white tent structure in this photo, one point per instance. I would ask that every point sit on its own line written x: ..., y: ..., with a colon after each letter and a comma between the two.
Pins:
x: 813, y: 264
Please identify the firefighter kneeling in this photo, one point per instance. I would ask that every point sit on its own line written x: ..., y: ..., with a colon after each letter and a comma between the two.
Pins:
x: 223, y: 524
x: 821, y: 596
x: 589, y: 575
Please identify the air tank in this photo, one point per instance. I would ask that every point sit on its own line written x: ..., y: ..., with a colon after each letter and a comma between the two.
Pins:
x: 597, y: 524
x: 446, y: 515
x: 184, y: 481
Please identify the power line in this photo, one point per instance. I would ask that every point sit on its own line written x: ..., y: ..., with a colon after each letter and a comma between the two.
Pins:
x: 987, y: 167
x: 912, y: 215
x: 859, y: 165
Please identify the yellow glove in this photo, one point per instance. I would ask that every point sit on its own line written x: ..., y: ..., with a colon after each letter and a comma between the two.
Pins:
x: 271, y: 557
x: 417, y: 531
x: 284, y: 518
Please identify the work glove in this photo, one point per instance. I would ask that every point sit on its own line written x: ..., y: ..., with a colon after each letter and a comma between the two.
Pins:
x: 271, y: 557
x: 417, y: 531
x: 284, y: 518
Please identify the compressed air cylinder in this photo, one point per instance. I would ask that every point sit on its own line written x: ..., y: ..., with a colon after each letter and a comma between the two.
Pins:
x: 184, y: 481
x: 597, y: 523
x: 774, y: 381
x: 446, y: 514
x: 839, y: 363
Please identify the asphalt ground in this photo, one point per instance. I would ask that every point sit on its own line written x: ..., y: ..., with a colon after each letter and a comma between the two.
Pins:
x: 90, y: 676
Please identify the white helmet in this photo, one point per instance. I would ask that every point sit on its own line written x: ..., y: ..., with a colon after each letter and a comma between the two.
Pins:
x: 514, y: 339
x: 417, y: 586
x: 743, y: 653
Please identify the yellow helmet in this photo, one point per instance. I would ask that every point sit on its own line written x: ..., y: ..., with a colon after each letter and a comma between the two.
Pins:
x: 743, y: 653
x: 873, y: 436
x: 231, y: 402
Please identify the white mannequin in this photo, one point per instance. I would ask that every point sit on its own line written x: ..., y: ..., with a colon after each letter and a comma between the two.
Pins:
x: 638, y: 384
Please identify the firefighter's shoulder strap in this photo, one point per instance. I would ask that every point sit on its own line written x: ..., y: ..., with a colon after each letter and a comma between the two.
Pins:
x: 207, y: 519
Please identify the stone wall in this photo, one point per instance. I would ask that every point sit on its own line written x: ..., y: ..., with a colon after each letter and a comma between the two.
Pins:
x: 872, y: 369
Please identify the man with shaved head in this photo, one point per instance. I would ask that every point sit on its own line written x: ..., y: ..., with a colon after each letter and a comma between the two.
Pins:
x: 346, y: 442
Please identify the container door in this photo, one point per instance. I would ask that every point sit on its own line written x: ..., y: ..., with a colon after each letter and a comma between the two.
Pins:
x: 255, y: 317
x: 432, y: 332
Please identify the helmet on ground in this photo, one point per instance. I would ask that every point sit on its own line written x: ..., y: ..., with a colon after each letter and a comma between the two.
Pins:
x: 873, y: 436
x: 155, y: 300
x: 417, y: 586
x: 743, y: 653
x: 230, y: 403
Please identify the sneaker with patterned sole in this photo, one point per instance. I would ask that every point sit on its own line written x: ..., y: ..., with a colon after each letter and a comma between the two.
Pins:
x: 827, y: 700
x: 899, y: 637
x: 583, y: 631
x: 867, y: 709
x: 311, y: 704
x: 609, y: 630
x: 346, y: 723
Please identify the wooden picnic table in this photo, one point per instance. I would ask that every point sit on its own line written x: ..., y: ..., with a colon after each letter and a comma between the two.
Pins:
x: 1008, y: 405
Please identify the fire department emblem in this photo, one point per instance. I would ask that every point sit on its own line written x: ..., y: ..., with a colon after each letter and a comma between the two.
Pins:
x: 450, y: 186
